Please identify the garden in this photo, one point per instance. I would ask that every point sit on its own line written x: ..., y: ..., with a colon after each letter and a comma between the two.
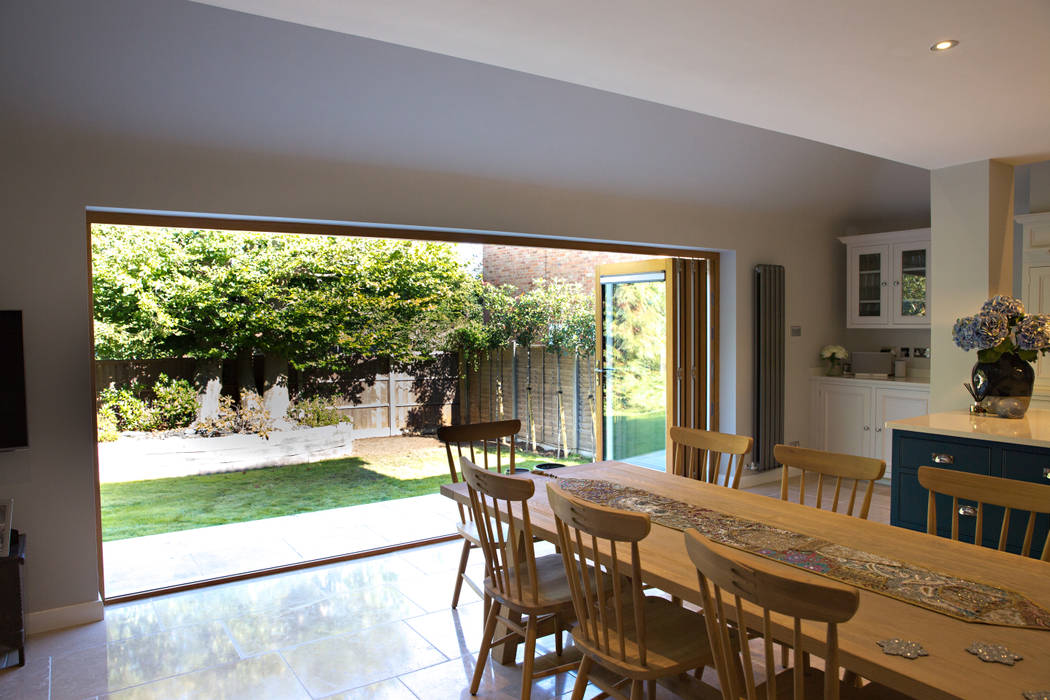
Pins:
x: 204, y: 335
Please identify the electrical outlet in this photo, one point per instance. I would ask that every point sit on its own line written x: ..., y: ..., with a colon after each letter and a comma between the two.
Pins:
x: 903, y: 353
x: 921, y: 352
x: 793, y: 443
x: 796, y: 331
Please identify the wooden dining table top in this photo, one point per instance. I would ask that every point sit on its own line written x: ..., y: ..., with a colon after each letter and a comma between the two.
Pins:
x: 948, y: 672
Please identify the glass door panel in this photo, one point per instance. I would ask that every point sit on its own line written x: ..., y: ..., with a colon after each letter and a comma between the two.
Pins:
x: 633, y: 361
x: 869, y: 297
x: 913, y: 283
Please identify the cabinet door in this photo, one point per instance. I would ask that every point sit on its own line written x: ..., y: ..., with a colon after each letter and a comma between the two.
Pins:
x: 895, y: 404
x: 868, y: 293
x: 844, y: 413
x: 1037, y: 301
x: 910, y: 292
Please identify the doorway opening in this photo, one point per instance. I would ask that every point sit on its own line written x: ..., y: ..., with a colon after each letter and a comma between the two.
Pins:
x: 240, y: 434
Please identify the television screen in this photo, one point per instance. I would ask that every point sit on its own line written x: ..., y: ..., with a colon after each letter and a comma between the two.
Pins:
x: 13, y: 430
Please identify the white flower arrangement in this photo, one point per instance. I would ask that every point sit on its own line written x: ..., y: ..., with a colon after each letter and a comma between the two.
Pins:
x: 834, y: 352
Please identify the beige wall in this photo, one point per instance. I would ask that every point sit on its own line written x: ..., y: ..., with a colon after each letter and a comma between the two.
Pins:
x: 970, y: 210
x: 46, y: 274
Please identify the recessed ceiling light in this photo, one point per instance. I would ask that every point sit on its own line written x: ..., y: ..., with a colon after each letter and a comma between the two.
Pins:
x: 944, y: 45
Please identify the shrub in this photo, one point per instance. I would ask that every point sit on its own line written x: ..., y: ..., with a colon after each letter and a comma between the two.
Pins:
x: 107, y: 425
x: 250, y: 416
x: 175, y: 403
x: 130, y: 411
x: 316, y: 412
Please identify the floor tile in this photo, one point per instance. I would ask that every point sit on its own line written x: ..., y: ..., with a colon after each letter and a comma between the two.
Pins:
x: 343, y: 614
x: 115, y: 666
x: 391, y: 689
x: 258, y: 678
x: 453, y: 632
x: 123, y: 621
x: 452, y: 679
x: 31, y: 682
x: 343, y: 663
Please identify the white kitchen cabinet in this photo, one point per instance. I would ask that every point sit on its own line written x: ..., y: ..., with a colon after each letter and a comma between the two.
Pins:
x: 895, y: 404
x: 887, y: 279
x: 849, y: 415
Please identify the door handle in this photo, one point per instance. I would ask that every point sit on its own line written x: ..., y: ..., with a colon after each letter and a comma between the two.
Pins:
x: 878, y: 430
x: 967, y: 511
x: 939, y: 458
x: 867, y: 428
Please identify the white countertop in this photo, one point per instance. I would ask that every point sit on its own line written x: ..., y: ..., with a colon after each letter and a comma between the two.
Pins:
x: 1032, y: 430
x: 916, y: 382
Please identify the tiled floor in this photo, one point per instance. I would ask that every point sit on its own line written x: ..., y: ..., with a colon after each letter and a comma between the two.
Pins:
x: 379, y: 627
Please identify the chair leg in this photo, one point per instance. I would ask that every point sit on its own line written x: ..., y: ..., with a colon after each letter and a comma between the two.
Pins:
x: 637, y: 691
x: 530, y: 657
x: 784, y: 655
x: 581, y: 678
x: 557, y: 634
x: 462, y: 571
x: 651, y: 685
x: 486, y: 644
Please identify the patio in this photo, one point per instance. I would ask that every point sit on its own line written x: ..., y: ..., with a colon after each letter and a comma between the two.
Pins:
x: 155, y: 561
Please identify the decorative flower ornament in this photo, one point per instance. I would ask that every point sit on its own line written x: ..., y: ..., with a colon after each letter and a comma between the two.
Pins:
x: 1002, y: 327
x: 834, y: 352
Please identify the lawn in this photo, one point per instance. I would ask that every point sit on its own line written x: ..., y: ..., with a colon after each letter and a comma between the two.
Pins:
x: 138, y: 508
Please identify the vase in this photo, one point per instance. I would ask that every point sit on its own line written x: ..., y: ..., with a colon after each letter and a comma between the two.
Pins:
x: 834, y: 367
x: 1004, y: 387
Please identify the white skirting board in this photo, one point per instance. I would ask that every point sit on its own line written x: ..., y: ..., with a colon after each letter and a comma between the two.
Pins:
x: 749, y: 478
x: 66, y: 616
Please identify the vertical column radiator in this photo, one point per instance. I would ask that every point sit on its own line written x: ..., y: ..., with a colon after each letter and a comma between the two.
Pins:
x: 769, y: 363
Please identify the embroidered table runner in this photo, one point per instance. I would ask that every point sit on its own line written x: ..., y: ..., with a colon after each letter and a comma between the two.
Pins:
x: 950, y: 595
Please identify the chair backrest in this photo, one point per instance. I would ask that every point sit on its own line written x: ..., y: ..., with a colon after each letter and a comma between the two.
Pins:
x: 500, y: 506
x: 722, y: 572
x: 852, y: 468
x: 987, y: 490
x: 606, y: 604
x: 461, y: 440
x: 699, y: 454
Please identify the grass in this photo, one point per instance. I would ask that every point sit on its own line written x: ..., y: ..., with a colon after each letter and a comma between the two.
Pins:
x: 139, y: 508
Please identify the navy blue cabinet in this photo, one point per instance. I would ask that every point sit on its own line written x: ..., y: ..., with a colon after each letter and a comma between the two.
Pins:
x: 912, y: 450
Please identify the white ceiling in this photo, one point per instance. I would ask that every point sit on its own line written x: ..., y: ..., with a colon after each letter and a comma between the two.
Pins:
x: 853, y: 73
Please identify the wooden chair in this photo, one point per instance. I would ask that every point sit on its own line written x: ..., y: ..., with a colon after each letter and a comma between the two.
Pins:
x: 987, y: 490
x: 638, y: 637
x: 726, y: 580
x: 516, y: 579
x: 830, y: 464
x: 463, y: 439
x: 698, y: 454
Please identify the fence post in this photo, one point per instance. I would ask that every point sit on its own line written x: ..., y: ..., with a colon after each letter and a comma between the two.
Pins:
x: 576, y: 398
x: 391, y: 400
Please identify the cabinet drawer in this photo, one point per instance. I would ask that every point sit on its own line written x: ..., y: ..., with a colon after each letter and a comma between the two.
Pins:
x: 926, y: 452
x: 1033, y: 467
x: 1026, y: 466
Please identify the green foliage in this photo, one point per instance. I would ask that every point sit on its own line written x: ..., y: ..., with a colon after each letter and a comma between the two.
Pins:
x: 320, y: 301
x: 107, y: 425
x: 637, y: 352
x: 129, y: 407
x: 174, y: 403
x: 250, y: 416
x: 316, y: 412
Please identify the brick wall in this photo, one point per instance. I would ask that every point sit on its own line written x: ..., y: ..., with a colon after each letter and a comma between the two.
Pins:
x: 519, y: 266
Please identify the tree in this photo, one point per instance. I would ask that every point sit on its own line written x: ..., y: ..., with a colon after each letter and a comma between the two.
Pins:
x: 312, y: 301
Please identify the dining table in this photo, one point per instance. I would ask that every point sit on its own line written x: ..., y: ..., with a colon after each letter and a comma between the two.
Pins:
x: 948, y: 671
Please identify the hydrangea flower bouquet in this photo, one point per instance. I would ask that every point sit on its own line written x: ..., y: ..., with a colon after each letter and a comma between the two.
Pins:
x: 1001, y: 327
x: 1006, y: 340
x: 834, y: 354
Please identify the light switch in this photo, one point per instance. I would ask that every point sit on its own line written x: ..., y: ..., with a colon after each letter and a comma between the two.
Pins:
x: 796, y: 331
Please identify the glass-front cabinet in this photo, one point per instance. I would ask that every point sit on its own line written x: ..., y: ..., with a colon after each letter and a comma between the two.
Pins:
x: 888, y: 276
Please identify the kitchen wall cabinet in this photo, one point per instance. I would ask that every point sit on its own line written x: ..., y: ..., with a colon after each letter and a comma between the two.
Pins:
x: 849, y: 415
x: 887, y: 279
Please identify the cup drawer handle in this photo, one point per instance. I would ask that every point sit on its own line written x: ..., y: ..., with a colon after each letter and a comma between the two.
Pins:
x: 968, y: 511
x: 939, y: 458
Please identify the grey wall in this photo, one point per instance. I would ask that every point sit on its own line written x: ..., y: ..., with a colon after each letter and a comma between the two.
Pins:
x: 176, y: 106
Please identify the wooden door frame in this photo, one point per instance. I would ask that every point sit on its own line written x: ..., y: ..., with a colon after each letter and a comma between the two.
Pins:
x: 128, y: 217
